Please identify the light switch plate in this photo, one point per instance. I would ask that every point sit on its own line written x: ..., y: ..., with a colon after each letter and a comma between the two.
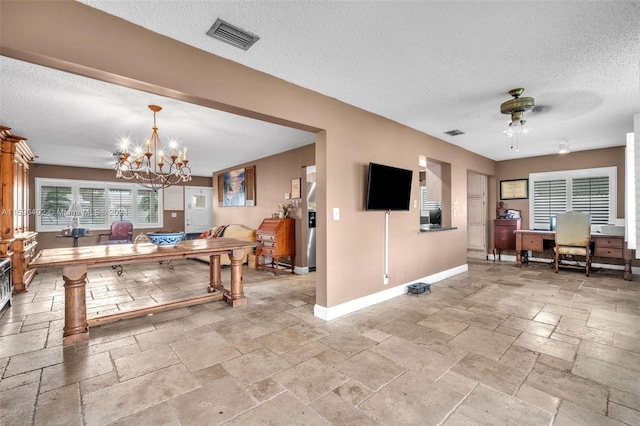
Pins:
x: 336, y: 213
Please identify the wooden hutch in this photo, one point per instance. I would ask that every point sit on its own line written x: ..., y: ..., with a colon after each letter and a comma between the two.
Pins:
x: 17, y: 241
x: 276, y: 237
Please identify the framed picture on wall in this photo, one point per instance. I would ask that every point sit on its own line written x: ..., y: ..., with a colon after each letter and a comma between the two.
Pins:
x: 514, y: 189
x: 237, y: 187
x: 295, y: 188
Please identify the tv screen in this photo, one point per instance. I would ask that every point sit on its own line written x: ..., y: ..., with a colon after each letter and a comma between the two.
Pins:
x: 389, y: 188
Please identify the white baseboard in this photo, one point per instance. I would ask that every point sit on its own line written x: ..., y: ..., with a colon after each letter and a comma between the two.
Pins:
x: 301, y: 270
x: 346, y: 308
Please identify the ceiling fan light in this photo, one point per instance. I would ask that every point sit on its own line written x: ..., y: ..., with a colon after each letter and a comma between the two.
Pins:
x: 516, y: 127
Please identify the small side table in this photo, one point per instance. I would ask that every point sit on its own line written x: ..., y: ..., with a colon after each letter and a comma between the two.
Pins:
x: 75, y: 237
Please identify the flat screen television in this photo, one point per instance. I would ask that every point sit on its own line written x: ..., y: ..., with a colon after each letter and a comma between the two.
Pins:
x: 388, y: 188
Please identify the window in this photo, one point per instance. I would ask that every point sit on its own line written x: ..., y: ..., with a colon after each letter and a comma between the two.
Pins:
x: 101, y: 203
x: 590, y: 191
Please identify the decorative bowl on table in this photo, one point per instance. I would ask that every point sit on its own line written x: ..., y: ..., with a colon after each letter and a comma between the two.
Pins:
x: 165, y: 239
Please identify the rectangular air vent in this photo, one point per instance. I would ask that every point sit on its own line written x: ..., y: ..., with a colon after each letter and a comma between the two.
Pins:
x: 233, y: 35
x: 454, y: 132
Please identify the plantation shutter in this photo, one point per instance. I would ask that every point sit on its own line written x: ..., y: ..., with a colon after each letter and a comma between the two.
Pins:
x: 591, y: 195
x: 550, y: 199
x: 54, y: 205
x: 424, y: 207
x: 120, y: 205
x: 93, y: 203
x: 148, y: 207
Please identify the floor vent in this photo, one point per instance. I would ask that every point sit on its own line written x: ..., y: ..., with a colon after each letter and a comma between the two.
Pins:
x: 233, y: 35
x: 454, y: 132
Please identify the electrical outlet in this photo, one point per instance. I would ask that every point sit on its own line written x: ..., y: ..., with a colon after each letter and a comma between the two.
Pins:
x: 174, y: 214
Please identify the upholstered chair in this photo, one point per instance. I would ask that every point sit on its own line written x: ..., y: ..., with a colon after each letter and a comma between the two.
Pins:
x: 121, y: 233
x: 573, y: 238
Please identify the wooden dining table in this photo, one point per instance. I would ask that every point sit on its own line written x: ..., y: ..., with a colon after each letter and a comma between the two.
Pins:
x: 76, y: 261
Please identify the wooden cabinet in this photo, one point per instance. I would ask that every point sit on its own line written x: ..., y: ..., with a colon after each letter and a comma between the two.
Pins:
x: 503, y: 236
x: 276, y: 238
x: 16, y: 241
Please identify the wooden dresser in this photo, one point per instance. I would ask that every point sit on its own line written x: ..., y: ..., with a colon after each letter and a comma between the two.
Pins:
x: 503, y: 236
x: 276, y: 238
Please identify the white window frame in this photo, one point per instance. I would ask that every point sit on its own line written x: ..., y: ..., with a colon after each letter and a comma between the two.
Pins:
x: 568, y: 176
x: 75, y: 195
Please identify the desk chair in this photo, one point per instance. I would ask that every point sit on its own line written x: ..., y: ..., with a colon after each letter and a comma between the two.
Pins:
x: 121, y: 232
x: 573, y: 238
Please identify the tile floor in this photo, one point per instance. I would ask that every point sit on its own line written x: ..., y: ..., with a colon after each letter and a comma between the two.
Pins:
x: 497, y: 346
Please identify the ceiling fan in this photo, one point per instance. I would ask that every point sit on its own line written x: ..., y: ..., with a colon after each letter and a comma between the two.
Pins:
x: 516, y: 107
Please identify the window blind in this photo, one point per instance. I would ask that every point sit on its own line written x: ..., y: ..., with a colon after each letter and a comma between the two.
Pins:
x: 93, y: 204
x: 120, y: 204
x: 54, y: 206
x: 101, y: 203
x: 550, y: 199
x: 147, y: 209
x: 591, y: 195
x: 590, y: 191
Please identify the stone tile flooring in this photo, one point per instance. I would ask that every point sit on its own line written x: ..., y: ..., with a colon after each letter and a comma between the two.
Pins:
x: 497, y: 346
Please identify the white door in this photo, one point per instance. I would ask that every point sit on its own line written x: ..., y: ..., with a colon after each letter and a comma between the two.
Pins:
x: 198, y: 212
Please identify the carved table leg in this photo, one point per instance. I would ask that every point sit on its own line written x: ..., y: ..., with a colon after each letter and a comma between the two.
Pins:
x: 236, y: 297
x: 75, y: 305
x: 215, y: 280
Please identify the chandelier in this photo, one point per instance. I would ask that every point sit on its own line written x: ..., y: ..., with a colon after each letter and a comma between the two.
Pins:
x: 154, y: 168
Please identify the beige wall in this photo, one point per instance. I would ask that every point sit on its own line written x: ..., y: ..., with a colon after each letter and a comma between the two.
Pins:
x: 520, y: 169
x: 49, y: 239
x: 76, y: 38
x: 273, y: 179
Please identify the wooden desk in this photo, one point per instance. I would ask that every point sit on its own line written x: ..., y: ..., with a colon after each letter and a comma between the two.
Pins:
x: 603, y: 245
x: 75, y: 262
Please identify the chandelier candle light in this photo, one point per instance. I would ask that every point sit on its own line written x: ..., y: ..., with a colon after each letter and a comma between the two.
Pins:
x: 154, y: 169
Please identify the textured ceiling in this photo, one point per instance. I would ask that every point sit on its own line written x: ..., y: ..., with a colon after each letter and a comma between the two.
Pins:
x: 431, y: 65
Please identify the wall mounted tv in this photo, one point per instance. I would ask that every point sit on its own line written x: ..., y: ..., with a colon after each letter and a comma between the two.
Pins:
x: 388, y: 188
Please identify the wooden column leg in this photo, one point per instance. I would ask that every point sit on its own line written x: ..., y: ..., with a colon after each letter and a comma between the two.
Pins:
x: 215, y: 280
x: 236, y: 297
x: 76, y: 328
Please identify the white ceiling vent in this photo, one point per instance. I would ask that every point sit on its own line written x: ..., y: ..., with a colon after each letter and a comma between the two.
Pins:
x: 233, y: 35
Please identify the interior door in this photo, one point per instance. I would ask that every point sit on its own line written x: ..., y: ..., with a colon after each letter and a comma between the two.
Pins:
x: 476, y: 215
x: 198, y: 212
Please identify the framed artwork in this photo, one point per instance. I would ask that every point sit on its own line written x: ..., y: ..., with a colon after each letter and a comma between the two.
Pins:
x: 237, y: 187
x: 295, y: 188
x: 514, y: 189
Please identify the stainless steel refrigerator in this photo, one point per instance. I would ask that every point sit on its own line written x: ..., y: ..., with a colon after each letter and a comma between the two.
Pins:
x: 311, y: 212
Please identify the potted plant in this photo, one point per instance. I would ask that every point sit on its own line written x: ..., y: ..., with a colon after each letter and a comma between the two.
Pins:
x: 285, y: 208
